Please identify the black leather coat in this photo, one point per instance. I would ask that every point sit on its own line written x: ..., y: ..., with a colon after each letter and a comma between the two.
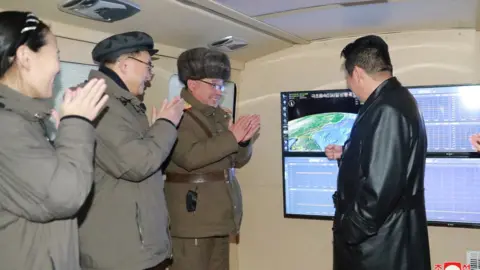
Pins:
x: 380, y: 220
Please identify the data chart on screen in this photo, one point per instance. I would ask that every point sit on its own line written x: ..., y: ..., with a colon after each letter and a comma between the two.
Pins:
x: 451, y: 115
x: 452, y: 190
x: 309, y: 186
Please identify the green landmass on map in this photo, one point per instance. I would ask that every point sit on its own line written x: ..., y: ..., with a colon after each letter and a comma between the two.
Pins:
x: 303, y: 129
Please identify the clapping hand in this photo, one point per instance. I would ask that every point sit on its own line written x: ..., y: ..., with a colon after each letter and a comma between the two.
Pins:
x: 252, y: 127
x: 172, y: 111
x: 475, y: 141
x: 86, y: 101
x: 245, y: 127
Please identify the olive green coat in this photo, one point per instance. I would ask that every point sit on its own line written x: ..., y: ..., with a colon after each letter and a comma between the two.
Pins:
x: 42, y: 185
x: 219, y: 204
x: 126, y: 225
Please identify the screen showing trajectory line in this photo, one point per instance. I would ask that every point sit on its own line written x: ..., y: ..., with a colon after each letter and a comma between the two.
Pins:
x: 451, y: 115
x: 452, y: 186
x: 312, y: 120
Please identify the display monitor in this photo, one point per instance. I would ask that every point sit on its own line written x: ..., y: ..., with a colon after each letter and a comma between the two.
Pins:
x: 309, y: 183
x: 452, y: 186
x: 451, y: 115
x: 311, y: 120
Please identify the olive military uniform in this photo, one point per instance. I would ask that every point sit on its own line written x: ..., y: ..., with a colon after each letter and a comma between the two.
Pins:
x: 203, y: 163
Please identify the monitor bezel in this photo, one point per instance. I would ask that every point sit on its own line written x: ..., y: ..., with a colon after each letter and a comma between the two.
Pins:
x: 322, y: 154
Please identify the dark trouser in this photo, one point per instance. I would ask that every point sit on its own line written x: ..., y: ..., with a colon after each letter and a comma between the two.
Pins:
x: 201, y: 254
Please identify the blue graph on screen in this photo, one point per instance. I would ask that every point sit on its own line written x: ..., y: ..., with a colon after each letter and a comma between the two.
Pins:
x: 451, y: 115
x: 452, y: 186
x: 309, y: 185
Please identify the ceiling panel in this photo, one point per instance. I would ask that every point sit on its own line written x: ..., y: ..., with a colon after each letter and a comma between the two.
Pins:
x: 169, y: 22
x: 395, y: 16
x: 185, y: 26
x: 254, y: 8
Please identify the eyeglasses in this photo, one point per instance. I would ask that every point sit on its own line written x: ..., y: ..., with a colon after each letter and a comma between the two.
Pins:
x: 218, y: 87
x: 150, y: 66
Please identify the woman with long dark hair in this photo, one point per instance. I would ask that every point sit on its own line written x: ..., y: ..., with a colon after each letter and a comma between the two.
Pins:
x: 43, y: 183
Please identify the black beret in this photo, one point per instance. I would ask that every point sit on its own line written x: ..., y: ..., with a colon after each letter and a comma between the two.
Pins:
x: 114, y: 46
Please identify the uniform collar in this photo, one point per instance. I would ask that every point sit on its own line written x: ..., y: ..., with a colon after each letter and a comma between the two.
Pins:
x: 192, y: 101
x: 31, y: 108
x: 115, y: 86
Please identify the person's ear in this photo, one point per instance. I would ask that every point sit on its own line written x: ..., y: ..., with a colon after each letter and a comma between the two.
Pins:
x: 23, y: 57
x: 123, y: 65
x: 358, y: 74
x: 191, y: 84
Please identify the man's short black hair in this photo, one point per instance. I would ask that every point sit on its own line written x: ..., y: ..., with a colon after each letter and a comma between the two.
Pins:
x: 369, y: 53
x: 201, y: 63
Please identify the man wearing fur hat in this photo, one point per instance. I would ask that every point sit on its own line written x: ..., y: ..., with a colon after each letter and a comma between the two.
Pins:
x: 203, y: 195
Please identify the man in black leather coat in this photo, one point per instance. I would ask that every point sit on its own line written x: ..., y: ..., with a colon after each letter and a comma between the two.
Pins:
x: 380, y: 220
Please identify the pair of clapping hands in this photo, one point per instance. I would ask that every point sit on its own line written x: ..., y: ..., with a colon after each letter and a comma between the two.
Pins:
x: 86, y: 102
x: 89, y: 100
x: 245, y: 127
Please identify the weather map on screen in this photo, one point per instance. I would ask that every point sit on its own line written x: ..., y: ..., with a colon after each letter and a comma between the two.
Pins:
x: 312, y: 120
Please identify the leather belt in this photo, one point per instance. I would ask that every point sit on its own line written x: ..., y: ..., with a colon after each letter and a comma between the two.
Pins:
x: 199, y: 178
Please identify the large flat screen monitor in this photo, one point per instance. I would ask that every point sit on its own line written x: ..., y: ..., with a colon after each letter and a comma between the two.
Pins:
x: 452, y: 188
x: 451, y: 115
x: 309, y: 185
x: 311, y: 120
